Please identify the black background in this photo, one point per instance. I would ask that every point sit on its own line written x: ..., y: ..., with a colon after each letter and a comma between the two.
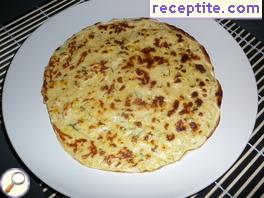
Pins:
x: 12, y: 9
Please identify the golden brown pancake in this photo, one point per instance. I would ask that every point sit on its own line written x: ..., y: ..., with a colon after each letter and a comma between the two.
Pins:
x: 131, y: 95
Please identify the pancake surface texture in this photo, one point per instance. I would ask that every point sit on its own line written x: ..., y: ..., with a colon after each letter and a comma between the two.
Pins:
x: 131, y: 95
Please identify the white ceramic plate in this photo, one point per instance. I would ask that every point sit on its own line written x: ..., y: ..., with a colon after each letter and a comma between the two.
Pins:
x: 32, y: 136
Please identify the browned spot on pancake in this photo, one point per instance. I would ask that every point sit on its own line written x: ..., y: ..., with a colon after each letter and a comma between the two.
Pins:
x: 91, y: 36
x: 125, y: 153
x: 139, y: 102
x: 119, y: 27
x: 200, y: 68
x: 144, y: 79
x: 198, y: 102
x: 61, y: 134
x: 80, y: 46
x: 153, y: 142
x: 72, y: 46
x: 122, y: 88
x: 193, y: 126
x: 219, y: 95
x: 174, y: 108
x: 46, y: 98
x: 119, y: 42
x: 177, y: 80
x: 109, y: 159
x: 81, y: 140
x: 173, y: 53
x: 119, y: 79
x: 153, y: 149
x: 111, y: 136
x: 180, y: 126
x: 184, y: 58
x: 67, y: 63
x: 92, y: 127
x: 130, y: 63
x: 158, y: 59
x: 102, y: 27
x: 71, y: 67
x: 147, y: 50
x: 148, y: 136
x: 93, y: 149
x: 134, y: 139
x: 180, y: 39
x: 149, y: 59
x: 153, y: 83
x: 170, y: 137
x: 100, y: 137
x: 158, y: 101
x: 166, y: 126
x: 76, y: 143
x: 112, y: 105
x: 201, y: 84
x: 112, y: 144
x: 158, y: 43
x: 193, y: 56
x: 128, y: 102
x: 186, y: 108
x: 125, y: 115
x: 103, y: 68
x: 101, y: 103
x: 108, y: 89
x: 138, y: 124
x: 101, y: 152
x: 148, y: 156
x: 194, y: 94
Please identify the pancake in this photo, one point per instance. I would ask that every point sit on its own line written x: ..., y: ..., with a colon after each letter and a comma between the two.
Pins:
x: 131, y: 95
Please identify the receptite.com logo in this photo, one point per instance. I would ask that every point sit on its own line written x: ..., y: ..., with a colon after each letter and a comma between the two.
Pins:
x: 14, y: 183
